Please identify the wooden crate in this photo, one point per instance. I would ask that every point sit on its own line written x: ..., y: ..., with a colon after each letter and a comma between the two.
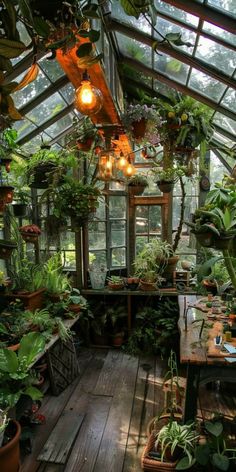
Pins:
x: 62, y: 365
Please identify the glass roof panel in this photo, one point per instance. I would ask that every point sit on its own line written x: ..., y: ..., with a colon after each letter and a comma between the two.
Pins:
x: 165, y: 27
x: 30, y: 91
x: 47, y: 109
x: 51, y: 68
x: 23, y: 127
x: 223, y: 139
x: 206, y: 85
x: 68, y: 93
x: 134, y: 49
x: 141, y: 24
x: 162, y: 88
x: 216, y: 55
x: 176, y: 13
x: 228, y: 6
x: 25, y: 38
x: 229, y: 100
x: 213, y: 29
x: 171, y: 67
x: 34, y: 144
x: 60, y: 125
x: 225, y: 122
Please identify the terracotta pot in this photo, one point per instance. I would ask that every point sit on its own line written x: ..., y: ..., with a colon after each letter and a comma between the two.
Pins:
x: 86, y: 145
x: 132, y: 283
x: 148, y: 286
x: 139, y: 128
x: 29, y: 237
x: 101, y: 339
x: 30, y: 300
x: 210, y: 286
x: 57, y: 297
x: 117, y: 339
x: 112, y: 286
x: 165, y: 187
x: 10, y: 453
x: 6, y: 194
x: 75, y: 308
x: 170, y: 267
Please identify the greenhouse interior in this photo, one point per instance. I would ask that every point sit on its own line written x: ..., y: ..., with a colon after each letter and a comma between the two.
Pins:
x: 117, y: 235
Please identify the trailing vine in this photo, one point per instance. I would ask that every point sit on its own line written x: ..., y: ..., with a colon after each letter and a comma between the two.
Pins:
x: 181, y: 221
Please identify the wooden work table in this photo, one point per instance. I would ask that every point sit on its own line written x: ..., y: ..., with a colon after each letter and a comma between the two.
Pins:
x: 201, y: 368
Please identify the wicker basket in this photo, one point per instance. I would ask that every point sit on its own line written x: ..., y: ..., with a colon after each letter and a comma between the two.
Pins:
x: 152, y: 464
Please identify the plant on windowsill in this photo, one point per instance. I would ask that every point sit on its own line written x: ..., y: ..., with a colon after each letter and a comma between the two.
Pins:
x: 115, y: 282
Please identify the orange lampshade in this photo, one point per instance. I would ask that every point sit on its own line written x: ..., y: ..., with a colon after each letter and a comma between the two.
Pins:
x: 88, y: 99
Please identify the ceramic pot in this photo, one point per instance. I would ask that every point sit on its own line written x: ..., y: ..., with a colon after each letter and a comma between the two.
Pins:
x: 112, y: 286
x: 117, y: 339
x: 10, y: 452
x: 30, y: 300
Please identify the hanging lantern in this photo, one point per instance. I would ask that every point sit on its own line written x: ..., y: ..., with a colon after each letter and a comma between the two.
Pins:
x: 122, y: 162
x: 106, y: 165
x: 88, y: 99
x: 129, y: 170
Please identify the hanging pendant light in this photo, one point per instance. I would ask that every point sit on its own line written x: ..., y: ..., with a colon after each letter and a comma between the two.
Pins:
x: 88, y: 99
x: 129, y: 170
x: 106, y: 165
x: 122, y: 162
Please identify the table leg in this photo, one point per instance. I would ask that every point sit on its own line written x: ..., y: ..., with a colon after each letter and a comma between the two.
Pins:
x: 190, y: 406
x: 129, y: 313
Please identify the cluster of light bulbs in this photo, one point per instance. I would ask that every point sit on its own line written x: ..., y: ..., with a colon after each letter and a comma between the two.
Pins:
x: 109, y: 165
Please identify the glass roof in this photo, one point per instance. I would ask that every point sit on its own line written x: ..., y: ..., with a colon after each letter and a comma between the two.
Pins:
x: 209, y: 73
x: 205, y: 70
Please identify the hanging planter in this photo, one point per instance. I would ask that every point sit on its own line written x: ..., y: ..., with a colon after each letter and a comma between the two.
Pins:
x: 137, y: 184
x: 6, y: 162
x: 42, y: 175
x: 164, y: 186
x: 139, y: 128
x: 203, y: 238
x: 30, y: 233
x: 222, y: 242
x: 6, y: 248
x: 6, y: 194
x: 20, y: 210
x: 86, y: 145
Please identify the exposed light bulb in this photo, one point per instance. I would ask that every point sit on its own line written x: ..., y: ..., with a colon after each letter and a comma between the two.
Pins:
x: 88, y: 99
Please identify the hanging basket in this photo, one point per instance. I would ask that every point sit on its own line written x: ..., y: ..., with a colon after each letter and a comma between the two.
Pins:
x: 166, y: 187
x: 222, y: 242
x: 86, y: 145
x: 204, y: 239
x: 30, y: 233
x: 42, y: 175
x: 6, y: 248
x: 139, y: 128
x: 20, y: 210
x: 136, y: 189
x: 6, y: 194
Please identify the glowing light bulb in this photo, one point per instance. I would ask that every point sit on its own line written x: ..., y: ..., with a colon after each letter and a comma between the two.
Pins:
x: 129, y: 170
x: 88, y: 99
x: 122, y: 163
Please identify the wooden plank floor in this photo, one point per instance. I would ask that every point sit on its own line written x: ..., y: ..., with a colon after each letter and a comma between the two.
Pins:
x: 118, y: 395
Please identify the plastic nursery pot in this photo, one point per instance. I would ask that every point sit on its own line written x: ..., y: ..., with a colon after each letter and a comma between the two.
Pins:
x: 20, y: 209
x: 165, y: 187
x: 10, y: 452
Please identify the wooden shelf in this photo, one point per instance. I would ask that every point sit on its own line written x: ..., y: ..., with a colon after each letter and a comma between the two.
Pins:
x: 136, y: 293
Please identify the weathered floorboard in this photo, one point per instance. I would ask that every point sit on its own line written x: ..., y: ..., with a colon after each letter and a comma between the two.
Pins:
x: 107, y: 380
x: 112, y: 450
x: 61, y: 439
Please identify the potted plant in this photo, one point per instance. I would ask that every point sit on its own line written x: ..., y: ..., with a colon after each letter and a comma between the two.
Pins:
x: 56, y: 282
x: 27, y: 282
x: 76, y: 301
x: 6, y: 248
x: 140, y: 120
x: 16, y: 380
x: 20, y: 202
x: 115, y: 282
x: 30, y: 233
x: 132, y: 283
x: 47, y: 167
x: 137, y: 184
x: 77, y: 200
x: 116, y: 317
x: 167, y: 177
x: 87, y: 135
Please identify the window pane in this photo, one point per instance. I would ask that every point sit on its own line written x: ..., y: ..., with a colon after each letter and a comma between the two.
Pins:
x: 165, y: 27
x: 32, y: 90
x: 100, y: 212
x: 51, y: 68
x: 60, y: 125
x: 229, y: 100
x: 23, y: 127
x: 118, y: 230
x: 117, y: 207
x: 226, y: 5
x: 98, y: 258
x: 118, y: 257
x: 206, y: 85
x: 216, y: 55
x: 134, y: 49
x: 155, y: 219
x: 213, y: 29
x: 97, y: 235
x: 225, y: 122
x: 171, y: 67
x: 68, y: 92
x: 176, y: 13
x: 140, y: 243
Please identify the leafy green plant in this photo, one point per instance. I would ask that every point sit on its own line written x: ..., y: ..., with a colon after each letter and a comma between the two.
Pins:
x: 76, y: 298
x: 75, y: 199
x: 170, y: 174
x: 55, y: 281
x: 215, y: 450
x: 15, y: 370
x: 115, y: 279
x: 138, y: 179
x: 180, y: 438
x: 25, y: 275
x: 150, y: 262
